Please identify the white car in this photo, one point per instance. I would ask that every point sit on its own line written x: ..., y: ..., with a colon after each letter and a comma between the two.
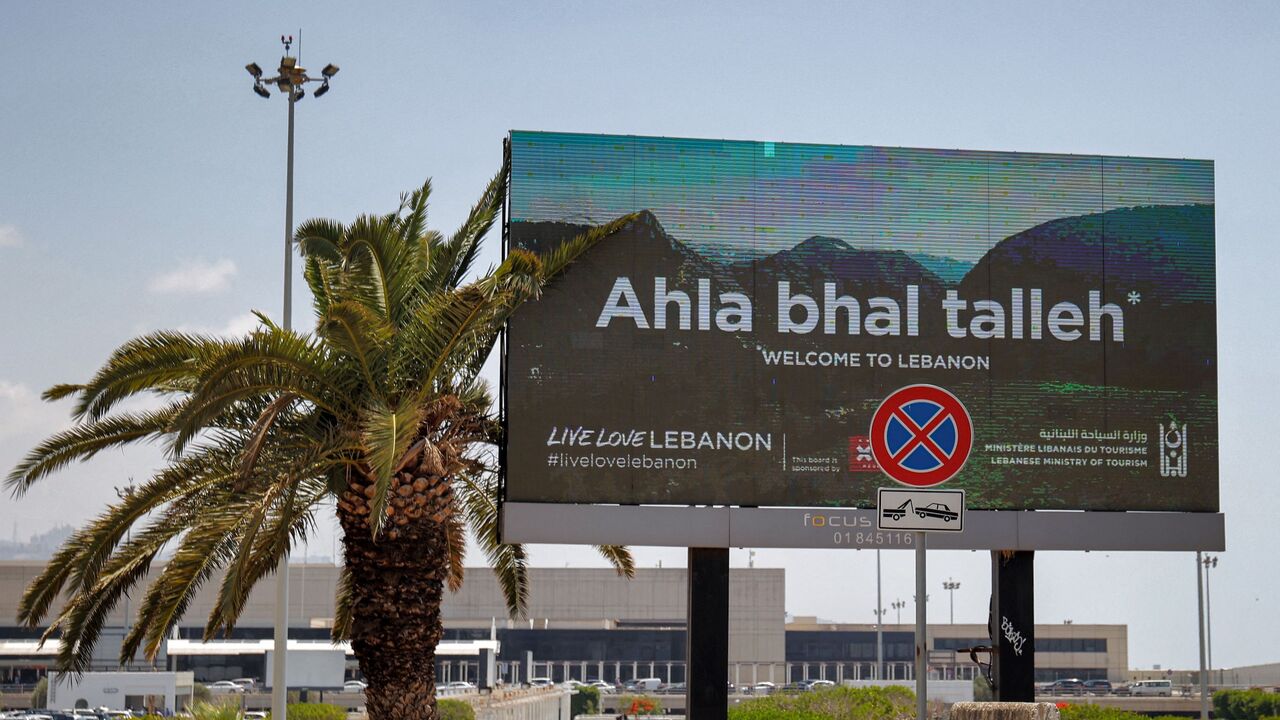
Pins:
x: 249, y: 684
x: 354, y: 686
x: 225, y: 686
x: 459, y: 686
x: 540, y: 682
x: 820, y: 684
x: 604, y: 687
x: 255, y: 715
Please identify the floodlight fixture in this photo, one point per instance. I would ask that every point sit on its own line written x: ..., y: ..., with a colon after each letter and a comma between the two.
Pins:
x: 254, y: 70
x: 329, y: 70
x: 257, y: 87
x: 322, y: 89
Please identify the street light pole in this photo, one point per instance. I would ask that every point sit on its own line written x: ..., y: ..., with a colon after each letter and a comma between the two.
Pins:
x: 291, y: 81
x: 126, y: 493
x: 1204, y: 680
x: 879, y: 623
x: 1209, y: 564
x: 898, y: 605
x: 951, y: 586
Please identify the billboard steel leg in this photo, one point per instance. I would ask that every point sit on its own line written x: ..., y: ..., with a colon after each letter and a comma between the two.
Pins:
x: 707, y: 696
x: 1012, y: 625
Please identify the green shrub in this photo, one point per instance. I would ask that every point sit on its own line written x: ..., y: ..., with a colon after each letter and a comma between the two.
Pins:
x: 454, y: 710
x: 217, y: 711
x: 639, y: 705
x: 201, y: 693
x: 1245, y: 704
x: 982, y: 689
x: 874, y: 703
x: 585, y: 701
x: 1085, y: 711
x: 40, y: 696
x: 316, y: 711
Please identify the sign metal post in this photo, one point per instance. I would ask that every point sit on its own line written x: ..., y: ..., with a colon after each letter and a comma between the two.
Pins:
x: 922, y: 649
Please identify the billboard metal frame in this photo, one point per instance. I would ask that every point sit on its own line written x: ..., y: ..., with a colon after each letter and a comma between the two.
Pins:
x: 855, y: 528
x: 829, y: 527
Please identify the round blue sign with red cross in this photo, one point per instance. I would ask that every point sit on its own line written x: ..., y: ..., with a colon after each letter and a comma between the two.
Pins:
x: 921, y: 435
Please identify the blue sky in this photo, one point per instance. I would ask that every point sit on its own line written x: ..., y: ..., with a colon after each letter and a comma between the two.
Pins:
x: 142, y: 185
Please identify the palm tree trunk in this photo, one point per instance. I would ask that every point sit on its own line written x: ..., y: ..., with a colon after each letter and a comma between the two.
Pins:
x: 396, y: 589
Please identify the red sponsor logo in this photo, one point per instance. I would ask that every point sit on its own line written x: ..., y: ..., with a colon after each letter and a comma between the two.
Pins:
x: 860, y: 458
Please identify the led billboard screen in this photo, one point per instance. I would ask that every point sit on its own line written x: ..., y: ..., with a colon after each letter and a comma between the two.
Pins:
x: 730, y: 344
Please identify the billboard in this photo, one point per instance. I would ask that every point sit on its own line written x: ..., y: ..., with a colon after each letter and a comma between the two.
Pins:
x: 730, y: 344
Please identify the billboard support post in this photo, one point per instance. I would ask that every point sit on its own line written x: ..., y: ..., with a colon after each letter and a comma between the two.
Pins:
x: 1204, y: 677
x: 1012, y: 625
x: 922, y: 650
x: 707, y: 648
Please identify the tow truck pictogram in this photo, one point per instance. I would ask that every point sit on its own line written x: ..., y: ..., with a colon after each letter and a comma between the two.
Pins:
x: 934, y: 510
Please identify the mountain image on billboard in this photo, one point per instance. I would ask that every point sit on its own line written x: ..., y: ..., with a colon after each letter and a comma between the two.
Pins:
x: 730, y: 344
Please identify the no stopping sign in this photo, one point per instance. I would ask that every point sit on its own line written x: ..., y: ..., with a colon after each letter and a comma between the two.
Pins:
x: 921, y: 435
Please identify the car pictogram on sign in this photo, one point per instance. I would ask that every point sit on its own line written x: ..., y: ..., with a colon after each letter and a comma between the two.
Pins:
x: 921, y: 435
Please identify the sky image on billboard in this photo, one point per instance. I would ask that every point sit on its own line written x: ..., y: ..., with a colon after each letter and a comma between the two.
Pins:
x: 730, y: 344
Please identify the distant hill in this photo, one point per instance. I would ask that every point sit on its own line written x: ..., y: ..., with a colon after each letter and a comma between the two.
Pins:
x: 826, y: 259
x: 950, y: 270
x: 1155, y: 262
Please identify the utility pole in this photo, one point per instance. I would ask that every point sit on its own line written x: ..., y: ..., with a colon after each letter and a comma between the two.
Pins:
x: 1204, y: 679
x: 951, y: 586
x: 290, y: 81
x: 879, y: 623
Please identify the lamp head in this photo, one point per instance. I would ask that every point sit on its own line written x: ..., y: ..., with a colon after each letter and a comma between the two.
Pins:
x: 329, y: 70
x: 258, y: 88
x: 322, y: 89
x: 254, y: 70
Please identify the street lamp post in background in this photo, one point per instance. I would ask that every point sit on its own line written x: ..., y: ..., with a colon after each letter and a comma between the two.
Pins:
x: 898, y: 605
x: 879, y: 623
x: 951, y: 586
x: 290, y: 81
x: 1209, y: 564
x: 1204, y: 680
x: 125, y: 493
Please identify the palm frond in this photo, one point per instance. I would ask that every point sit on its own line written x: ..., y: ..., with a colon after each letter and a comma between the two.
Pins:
x: 510, y: 563
x: 387, y: 433
x: 620, y: 558
x: 85, y: 440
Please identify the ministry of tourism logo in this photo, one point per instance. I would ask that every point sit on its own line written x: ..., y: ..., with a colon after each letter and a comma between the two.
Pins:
x: 1173, y: 449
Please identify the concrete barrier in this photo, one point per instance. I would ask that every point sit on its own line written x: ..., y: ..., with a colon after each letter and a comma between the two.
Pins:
x: 1004, y: 711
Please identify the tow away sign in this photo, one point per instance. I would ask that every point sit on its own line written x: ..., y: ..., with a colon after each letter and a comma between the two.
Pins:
x: 920, y: 510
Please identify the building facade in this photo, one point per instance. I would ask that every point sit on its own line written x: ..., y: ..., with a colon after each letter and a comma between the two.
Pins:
x: 583, y: 623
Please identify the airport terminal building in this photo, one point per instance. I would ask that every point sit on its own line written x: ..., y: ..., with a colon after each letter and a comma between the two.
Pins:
x: 584, y: 623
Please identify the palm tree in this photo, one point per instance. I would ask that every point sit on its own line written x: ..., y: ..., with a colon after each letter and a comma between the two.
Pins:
x: 381, y: 409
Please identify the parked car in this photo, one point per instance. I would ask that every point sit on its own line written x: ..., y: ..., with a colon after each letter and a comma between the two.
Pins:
x: 763, y: 687
x: 1066, y: 686
x: 460, y: 686
x: 1158, y: 688
x: 672, y: 689
x: 646, y: 684
x: 249, y: 684
x: 604, y: 687
x: 796, y: 686
x: 820, y: 684
x: 225, y: 686
x: 354, y: 686
x: 254, y: 715
x: 1097, y: 687
x: 540, y: 682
